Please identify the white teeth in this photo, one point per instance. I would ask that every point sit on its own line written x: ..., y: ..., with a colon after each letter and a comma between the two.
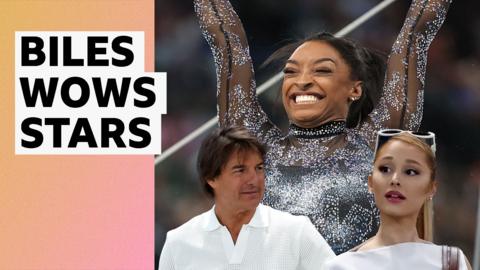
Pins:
x: 395, y: 196
x: 305, y: 99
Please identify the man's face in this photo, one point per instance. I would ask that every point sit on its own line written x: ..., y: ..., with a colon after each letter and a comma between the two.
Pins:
x: 241, y: 183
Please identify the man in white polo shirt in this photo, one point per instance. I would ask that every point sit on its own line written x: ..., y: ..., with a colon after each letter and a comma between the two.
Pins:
x: 239, y: 232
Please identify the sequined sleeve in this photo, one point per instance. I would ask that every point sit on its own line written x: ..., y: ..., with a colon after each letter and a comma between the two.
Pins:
x: 401, y: 103
x: 236, y: 98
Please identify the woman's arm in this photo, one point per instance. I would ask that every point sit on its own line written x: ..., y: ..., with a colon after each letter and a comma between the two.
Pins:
x: 401, y: 103
x: 236, y: 97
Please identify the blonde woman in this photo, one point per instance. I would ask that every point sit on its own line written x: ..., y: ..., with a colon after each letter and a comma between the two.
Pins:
x: 403, y: 179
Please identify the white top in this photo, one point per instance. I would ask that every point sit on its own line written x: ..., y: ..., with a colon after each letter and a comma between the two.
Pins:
x: 400, y: 256
x: 272, y: 240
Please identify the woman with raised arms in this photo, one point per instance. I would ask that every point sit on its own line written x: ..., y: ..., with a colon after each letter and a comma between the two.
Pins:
x: 333, y: 95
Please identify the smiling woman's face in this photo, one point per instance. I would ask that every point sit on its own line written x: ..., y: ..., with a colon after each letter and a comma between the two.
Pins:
x: 317, y: 87
x: 401, y: 179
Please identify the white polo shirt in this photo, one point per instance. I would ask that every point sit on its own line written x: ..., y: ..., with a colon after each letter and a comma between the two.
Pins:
x: 272, y: 240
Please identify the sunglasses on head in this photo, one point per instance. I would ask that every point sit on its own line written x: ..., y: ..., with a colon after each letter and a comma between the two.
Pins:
x: 385, y: 134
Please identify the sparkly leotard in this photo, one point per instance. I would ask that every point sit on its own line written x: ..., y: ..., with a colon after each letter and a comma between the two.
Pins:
x: 322, y: 172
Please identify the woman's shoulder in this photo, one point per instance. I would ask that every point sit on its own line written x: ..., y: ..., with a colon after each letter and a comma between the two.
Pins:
x: 362, y: 257
x: 427, y: 254
x: 366, y: 247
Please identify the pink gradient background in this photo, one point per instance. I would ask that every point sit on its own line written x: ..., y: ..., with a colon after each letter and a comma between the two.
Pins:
x: 72, y: 212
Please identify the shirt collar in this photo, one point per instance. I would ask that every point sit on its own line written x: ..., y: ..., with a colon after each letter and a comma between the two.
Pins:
x: 259, y: 219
